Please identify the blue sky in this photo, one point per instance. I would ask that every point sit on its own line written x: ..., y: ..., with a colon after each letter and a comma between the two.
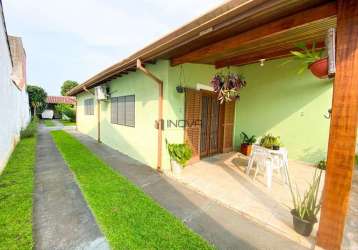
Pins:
x: 75, y: 39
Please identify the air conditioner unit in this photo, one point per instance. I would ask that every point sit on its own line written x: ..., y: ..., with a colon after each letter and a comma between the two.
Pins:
x: 101, y: 93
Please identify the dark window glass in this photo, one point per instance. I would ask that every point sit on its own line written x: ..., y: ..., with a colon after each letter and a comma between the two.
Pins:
x: 123, y: 110
x: 89, y: 106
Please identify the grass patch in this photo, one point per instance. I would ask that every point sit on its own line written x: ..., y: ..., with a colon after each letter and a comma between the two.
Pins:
x: 68, y: 123
x: 127, y: 216
x: 16, y: 188
x: 49, y: 123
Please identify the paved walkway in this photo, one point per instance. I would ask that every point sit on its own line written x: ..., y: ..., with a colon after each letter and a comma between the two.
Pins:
x: 62, y: 219
x: 220, y: 225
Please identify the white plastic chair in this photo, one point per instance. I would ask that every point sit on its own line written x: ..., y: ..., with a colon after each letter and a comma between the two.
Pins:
x: 268, y: 160
x: 255, y: 149
x: 264, y: 161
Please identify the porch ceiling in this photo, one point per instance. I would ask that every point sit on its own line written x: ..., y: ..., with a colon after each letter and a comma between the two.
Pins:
x: 268, y: 41
x: 222, y: 23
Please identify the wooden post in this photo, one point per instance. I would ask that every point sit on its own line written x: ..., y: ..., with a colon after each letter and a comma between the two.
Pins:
x: 343, y: 129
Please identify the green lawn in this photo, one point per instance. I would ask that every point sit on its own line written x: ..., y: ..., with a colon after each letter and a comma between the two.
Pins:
x: 49, y: 123
x: 127, y: 216
x: 16, y: 188
x: 68, y: 123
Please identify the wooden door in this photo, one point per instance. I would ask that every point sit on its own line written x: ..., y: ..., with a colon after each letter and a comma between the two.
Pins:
x: 192, y: 127
x: 228, y: 127
x: 209, y: 135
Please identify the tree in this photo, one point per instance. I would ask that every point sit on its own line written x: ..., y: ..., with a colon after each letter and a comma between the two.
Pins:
x: 67, y: 85
x: 37, y: 98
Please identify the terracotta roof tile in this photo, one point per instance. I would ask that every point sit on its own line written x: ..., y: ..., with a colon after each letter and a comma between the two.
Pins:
x: 61, y: 99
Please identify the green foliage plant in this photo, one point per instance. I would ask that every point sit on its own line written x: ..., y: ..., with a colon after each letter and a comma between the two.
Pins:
x: 31, y: 129
x: 67, y: 86
x: 268, y: 141
x: 249, y: 140
x: 37, y: 98
x: 181, y: 153
x: 306, y: 55
x: 307, y: 206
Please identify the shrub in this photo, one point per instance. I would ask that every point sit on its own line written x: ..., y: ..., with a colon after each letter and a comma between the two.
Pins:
x: 71, y: 114
x: 66, y: 110
x: 180, y: 153
x: 31, y: 129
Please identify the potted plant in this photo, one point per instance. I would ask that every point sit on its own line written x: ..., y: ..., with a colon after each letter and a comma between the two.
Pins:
x: 306, y: 206
x: 179, y: 156
x: 271, y: 142
x: 246, y: 145
x: 322, y: 164
x: 228, y: 86
x: 276, y: 143
x: 313, y: 59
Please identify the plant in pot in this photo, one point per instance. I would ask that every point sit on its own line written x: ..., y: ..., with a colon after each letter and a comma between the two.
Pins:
x: 271, y: 142
x: 276, y: 143
x: 228, y: 86
x: 322, y: 164
x: 180, y: 154
x: 246, y: 145
x: 306, y: 206
x: 313, y: 59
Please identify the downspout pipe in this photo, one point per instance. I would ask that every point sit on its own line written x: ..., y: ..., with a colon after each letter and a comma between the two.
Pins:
x: 160, y: 111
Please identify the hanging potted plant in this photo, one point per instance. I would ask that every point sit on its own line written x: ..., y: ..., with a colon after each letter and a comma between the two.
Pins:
x: 306, y: 206
x: 246, y: 145
x: 313, y: 59
x: 228, y: 86
x: 179, y: 154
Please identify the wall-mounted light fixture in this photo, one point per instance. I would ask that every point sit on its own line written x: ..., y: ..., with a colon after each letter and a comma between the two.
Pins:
x: 262, y: 61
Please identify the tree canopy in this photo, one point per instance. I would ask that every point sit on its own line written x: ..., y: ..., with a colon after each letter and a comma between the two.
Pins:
x: 37, y: 98
x: 67, y: 85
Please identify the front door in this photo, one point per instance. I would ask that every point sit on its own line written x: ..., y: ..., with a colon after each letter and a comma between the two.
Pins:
x: 209, y: 135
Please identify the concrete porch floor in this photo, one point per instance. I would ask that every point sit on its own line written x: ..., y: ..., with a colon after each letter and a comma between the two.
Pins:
x: 222, y: 177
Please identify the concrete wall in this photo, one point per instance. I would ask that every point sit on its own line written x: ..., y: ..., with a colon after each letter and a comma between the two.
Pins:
x: 139, y: 142
x: 14, y: 109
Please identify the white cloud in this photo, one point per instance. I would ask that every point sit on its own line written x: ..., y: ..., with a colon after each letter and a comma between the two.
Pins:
x: 107, y: 23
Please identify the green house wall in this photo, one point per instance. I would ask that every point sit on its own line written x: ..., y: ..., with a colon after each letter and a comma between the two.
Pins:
x: 279, y: 101
x: 139, y: 142
x: 276, y: 100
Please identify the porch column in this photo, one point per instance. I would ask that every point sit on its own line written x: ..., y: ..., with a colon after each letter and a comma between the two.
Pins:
x: 343, y: 129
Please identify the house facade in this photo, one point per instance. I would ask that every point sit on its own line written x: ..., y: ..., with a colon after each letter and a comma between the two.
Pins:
x: 276, y: 100
x: 253, y: 38
x: 14, y: 104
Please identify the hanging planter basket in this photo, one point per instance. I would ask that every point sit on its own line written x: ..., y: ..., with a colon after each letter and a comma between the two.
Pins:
x: 320, y: 68
x: 180, y: 89
x: 228, y: 86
